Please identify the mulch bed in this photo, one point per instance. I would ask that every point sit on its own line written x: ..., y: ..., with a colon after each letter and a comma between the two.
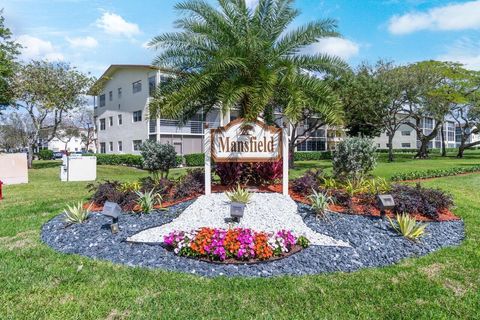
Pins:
x: 357, y: 207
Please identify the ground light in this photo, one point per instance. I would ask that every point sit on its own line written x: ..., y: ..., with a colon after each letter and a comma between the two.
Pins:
x: 385, y: 202
x: 112, y: 210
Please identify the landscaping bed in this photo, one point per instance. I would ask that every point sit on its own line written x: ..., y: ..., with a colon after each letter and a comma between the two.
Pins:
x: 372, y: 242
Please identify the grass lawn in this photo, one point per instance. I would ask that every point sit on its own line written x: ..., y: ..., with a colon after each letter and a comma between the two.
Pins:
x: 37, y: 282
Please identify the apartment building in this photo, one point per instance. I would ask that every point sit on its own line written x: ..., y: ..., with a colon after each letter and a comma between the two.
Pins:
x: 121, y: 113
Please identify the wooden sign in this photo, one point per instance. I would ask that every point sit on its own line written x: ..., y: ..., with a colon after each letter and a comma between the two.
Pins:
x: 246, y: 141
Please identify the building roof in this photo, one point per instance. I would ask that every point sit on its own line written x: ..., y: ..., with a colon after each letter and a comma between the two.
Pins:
x: 98, y: 85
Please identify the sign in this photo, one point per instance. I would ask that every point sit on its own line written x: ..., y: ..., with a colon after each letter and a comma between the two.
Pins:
x: 246, y: 141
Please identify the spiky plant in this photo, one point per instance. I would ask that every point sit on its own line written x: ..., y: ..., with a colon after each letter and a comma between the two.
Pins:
x: 319, y: 203
x: 148, y: 200
x: 239, y: 195
x: 408, y: 227
x: 232, y: 55
x: 76, y: 213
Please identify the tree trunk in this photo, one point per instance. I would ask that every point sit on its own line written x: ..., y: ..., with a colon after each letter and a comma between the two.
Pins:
x: 30, y: 156
x: 444, y: 149
x: 422, y: 152
x: 291, y: 156
x: 390, y: 148
x: 461, y: 149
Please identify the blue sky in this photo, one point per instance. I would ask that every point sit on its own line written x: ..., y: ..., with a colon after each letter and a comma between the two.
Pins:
x: 94, y: 34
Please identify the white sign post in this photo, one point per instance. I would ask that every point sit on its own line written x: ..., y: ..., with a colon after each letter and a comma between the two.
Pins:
x: 245, y: 141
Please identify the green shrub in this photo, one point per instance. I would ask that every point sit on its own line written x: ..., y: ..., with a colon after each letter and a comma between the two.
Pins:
x: 76, y: 213
x: 354, y: 158
x: 312, y: 155
x: 129, y: 160
x: 195, y: 160
x: 179, y: 160
x: 303, y: 242
x: 433, y: 173
x: 320, y: 203
x: 148, y: 200
x: 158, y: 157
x: 239, y: 195
x: 45, y: 154
x: 408, y: 227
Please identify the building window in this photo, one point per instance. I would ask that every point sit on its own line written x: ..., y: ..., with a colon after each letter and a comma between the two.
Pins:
x: 137, y: 86
x: 102, y: 147
x: 102, y: 124
x: 120, y: 146
x: 119, y: 93
x: 110, y: 121
x: 406, y: 145
x: 111, y: 146
x: 102, y: 100
x: 110, y: 96
x: 136, y: 145
x: 120, y: 120
x: 137, y: 116
x: 406, y: 133
x: 152, y: 84
x: 428, y: 123
x: 312, y: 145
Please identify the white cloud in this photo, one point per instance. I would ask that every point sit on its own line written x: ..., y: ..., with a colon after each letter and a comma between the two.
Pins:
x: 82, y: 43
x: 339, y: 47
x: 36, y: 48
x: 114, y: 24
x: 465, y: 51
x: 450, y: 17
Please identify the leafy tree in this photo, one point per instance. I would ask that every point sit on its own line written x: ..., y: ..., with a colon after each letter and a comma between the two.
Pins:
x: 47, y: 92
x: 239, y: 57
x: 158, y: 157
x: 429, y: 94
x: 8, y: 53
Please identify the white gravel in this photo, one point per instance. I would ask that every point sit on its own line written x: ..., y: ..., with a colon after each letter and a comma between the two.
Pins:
x: 268, y: 212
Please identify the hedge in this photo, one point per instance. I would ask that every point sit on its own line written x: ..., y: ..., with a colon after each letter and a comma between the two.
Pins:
x: 312, y: 155
x: 433, y: 173
x: 129, y: 160
x: 194, y: 159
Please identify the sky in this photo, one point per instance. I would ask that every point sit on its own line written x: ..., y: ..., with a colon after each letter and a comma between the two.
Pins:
x: 91, y: 35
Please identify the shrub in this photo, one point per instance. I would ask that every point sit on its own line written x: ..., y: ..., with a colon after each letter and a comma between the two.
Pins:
x: 267, y: 172
x: 308, y: 182
x: 76, y: 213
x: 45, y: 154
x: 433, y: 173
x: 194, y: 160
x: 179, y: 160
x: 239, y: 195
x: 320, y: 203
x: 190, y: 184
x: 312, y: 155
x: 229, y: 173
x: 129, y: 160
x: 303, y: 242
x: 261, y: 173
x: 158, y: 157
x: 161, y: 186
x: 408, y: 227
x: 110, y: 191
x: 427, y: 202
x: 354, y: 158
x: 130, y: 186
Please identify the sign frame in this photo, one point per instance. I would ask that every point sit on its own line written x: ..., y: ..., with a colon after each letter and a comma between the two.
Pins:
x: 272, y: 129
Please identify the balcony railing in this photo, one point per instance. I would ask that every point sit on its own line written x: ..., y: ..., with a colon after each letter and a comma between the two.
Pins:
x: 190, y: 127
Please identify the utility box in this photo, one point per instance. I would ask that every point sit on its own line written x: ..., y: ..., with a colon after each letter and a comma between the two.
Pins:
x: 13, y: 168
x: 78, y: 168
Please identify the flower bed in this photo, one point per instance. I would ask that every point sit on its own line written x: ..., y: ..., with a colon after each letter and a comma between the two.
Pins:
x: 234, y: 245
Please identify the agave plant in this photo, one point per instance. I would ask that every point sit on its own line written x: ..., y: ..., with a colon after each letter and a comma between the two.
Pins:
x: 76, y: 213
x: 239, y: 195
x: 408, y: 227
x: 320, y: 203
x: 148, y: 200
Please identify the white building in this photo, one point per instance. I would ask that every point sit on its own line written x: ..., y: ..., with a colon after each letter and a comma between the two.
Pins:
x: 70, y: 144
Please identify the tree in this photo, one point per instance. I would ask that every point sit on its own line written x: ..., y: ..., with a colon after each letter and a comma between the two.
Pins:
x: 239, y: 57
x: 354, y: 158
x: 14, y: 130
x: 65, y: 133
x: 83, y: 119
x: 429, y: 95
x: 467, y: 112
x: 8, y: 53
x: 47, y: 92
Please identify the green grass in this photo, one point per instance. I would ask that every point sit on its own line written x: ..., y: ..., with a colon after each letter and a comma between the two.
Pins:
x: 39, y: 283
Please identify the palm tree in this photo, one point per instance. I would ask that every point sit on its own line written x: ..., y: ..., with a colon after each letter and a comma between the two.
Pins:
x: 235, y: 56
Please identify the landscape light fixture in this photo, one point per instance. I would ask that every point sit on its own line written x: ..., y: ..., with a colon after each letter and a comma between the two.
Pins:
x: 112, y: 210
x: 236, y: 211
x: 385, y: 202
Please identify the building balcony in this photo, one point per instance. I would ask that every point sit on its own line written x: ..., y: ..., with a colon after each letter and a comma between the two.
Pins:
x: 176, y: 127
